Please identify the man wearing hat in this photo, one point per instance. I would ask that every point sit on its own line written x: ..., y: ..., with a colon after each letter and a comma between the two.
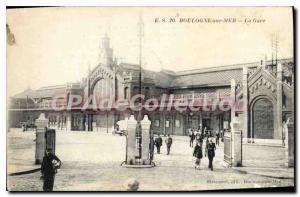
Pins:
x: 168, y: 143
x: 49, y: 168
x: 158, y: 143
x: 210, y: 152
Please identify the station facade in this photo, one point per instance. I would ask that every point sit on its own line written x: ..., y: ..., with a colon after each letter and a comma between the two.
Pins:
x: 262, y: 92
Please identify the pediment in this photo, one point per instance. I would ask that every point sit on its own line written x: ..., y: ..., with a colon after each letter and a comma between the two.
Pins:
x: 259, y: 74
x: 262, y: 86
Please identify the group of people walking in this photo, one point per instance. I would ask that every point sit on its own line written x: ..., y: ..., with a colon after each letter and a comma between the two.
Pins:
x: 210, y: 148
x: 195, y: 135
x: 199, y: 136
x: 158, y: 142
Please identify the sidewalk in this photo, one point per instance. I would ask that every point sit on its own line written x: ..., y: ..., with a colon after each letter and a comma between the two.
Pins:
x: 278, y: 173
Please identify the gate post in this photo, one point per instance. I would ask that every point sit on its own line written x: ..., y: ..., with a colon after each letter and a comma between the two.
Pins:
x: 131, y: 141
x: 145, y: 123
x: 50, y: 138
x: 236, y: 143
x: 41, y: 126
x: 289, y: 146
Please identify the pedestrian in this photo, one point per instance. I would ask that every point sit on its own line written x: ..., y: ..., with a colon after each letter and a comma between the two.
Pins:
x: 151, y: 146
x: 198, y: 136
x: 217, y: 137
x: 202, y: 135
x: 192, y: 137
x: 198, y: 155
x: 210, y: 133
x: 210, y: 152
x: 169, y: 142
x: 222, y: 135
x: 205, y: 132
x: 206, y: 141
x: 158, y: 143
x: 49, y: 168
x: 195, y: 133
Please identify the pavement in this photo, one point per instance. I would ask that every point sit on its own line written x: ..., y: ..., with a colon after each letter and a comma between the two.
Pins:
x: 91, y: 162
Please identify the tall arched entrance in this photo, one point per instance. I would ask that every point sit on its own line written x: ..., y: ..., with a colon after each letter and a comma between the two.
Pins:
x: 263, y: 119
x: 102, y: 91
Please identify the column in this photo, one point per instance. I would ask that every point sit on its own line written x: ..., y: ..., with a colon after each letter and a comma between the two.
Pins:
x: 90, y: 122
x: 245, y: 103
x: 278, y: 126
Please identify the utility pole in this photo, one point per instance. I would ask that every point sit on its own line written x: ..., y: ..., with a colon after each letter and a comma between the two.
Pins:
x: 140, y: 35
x: 139, y: 118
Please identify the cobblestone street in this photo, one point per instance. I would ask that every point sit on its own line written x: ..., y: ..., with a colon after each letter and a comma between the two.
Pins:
x: 91, y: 162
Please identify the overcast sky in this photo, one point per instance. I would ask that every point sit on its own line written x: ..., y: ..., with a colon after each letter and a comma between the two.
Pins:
x: 55, y: 45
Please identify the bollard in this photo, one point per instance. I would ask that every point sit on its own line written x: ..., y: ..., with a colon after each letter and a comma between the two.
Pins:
x: 41, y: 124
x: 145, y: 140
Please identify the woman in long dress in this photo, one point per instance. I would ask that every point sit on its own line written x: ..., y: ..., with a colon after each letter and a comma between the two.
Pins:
x: 198, y: 155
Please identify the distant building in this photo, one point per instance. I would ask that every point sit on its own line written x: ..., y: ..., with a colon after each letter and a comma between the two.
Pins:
x: 265, y: 89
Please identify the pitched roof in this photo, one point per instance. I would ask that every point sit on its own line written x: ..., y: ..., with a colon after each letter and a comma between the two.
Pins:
x: 204, y: 77
x: 216, y: 78
x: 128, y: 66
x: 44, y: 92
x: 211, y: 76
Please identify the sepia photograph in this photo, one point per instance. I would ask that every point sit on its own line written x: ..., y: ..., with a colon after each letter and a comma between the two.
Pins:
x: 150, y: 99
